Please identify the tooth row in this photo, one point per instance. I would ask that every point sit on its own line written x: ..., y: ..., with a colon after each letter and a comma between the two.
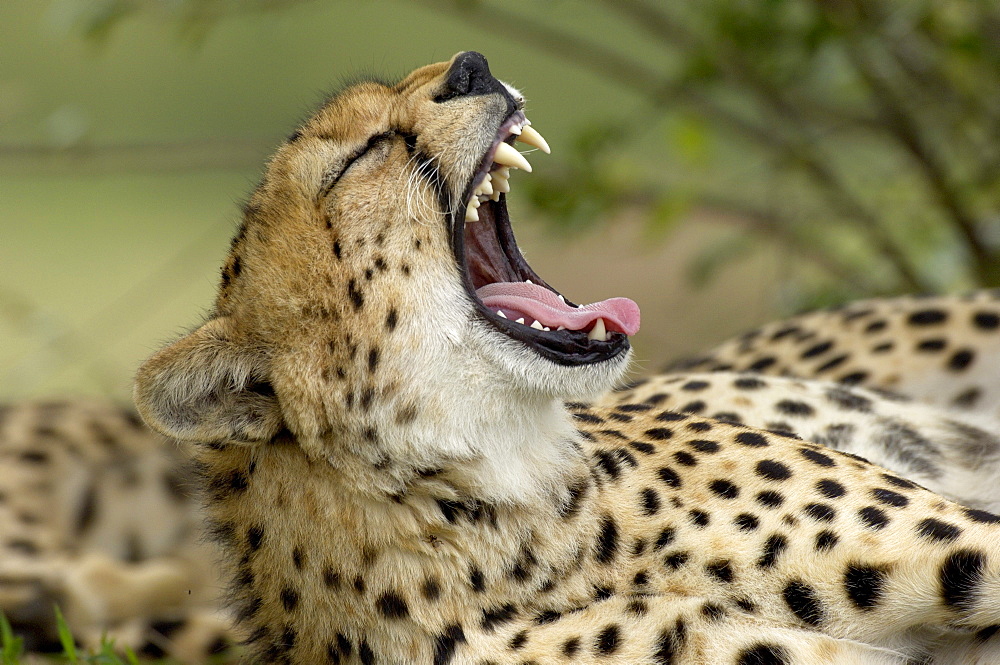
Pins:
x: 598, y: 333
x: 497, y: 181
x: 534, y: 324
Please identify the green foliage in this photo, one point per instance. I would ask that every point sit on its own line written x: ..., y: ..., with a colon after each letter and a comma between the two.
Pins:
x: 12, y: 648
x: 861, y: 137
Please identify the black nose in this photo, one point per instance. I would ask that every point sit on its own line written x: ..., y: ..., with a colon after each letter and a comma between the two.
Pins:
x: 470, y: 75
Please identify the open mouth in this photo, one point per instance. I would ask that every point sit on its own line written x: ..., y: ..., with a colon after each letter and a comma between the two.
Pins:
x: 506, y: 291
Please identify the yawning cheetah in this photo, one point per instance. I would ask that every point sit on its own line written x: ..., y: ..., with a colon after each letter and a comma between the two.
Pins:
x: 377, y: 400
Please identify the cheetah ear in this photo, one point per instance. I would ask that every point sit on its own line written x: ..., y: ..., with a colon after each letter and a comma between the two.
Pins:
x: 206, y: 388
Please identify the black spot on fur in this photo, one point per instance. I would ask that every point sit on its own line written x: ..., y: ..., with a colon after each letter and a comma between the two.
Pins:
x: 820, y: 512
x: 643, y: 447
x: 669, y: 477
x: 570, y: 647
x: 658, y: 433
x: 518, y: 641
x: 853, y: 379
x: 650, y: 501
x: 746, y: 522
x: 981, y: 516
x: 685, y: 458
x: 720, y: 570
x: 724, y: 488
x: 864, y: 585
x: 849, y: 401
x: 699, y: 518
x: 289, y: 598
x: 577, y: 492
x: 670, y: 644
x: 817, y: 349
x: 392, y: 606
x: 607, y: 541
x: 699, y: 426
x: 749, y: 383
x: 763, y: 654
x: 607, y: 641
x: 961, y: 359
x: 770, y: 499
x: 676, y: 560
x: 817, y: 457
x: 752, y: 439
x: 794, y: 408
x: 826, y: 541
x: 931, y: 345
x: 356, y: 297
x: 831, y: 489
x: 365, y: 653
x: 934, y: 529
x: 927, y: 317
x: 986, y: 320
x: 890, y: 498
x: 497, y: 616
x: 477, y: 580
x: 801, y: 600
x: 873, y: 517
x: 704, y: 446
x: 960, y: 577
x: 255, y: 537
x: 446, y: 642
x: 761, y: 364
x: 773, y: 548
x: 773, y: 470
x: 431, y: 589
x: 695, y: 385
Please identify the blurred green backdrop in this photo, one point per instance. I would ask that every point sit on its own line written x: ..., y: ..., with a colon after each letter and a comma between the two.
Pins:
x: 721, y: 162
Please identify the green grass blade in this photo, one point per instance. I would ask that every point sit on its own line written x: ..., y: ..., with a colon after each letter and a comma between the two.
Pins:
x: 10, y: 646
x: 66, y: 637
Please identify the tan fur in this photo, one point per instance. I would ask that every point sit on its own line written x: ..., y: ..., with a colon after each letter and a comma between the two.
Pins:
x: 393, y: 481
x: 98, y: 516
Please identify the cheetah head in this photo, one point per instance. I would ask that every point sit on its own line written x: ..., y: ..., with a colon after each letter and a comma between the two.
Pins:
x: 375, y: 298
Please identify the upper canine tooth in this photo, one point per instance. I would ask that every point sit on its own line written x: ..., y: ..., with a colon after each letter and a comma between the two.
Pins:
x: 598, y: 332
x: 508, y: 156
x: 531, y: 137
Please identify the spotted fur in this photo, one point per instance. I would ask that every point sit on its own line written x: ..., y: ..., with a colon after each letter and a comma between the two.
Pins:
x: 98, y: 517
x: 393, y: 478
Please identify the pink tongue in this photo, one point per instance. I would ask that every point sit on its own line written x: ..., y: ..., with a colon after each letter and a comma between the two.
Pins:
x: 619, y: 314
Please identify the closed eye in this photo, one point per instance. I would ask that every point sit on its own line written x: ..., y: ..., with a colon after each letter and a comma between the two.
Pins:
x: 333, y: 176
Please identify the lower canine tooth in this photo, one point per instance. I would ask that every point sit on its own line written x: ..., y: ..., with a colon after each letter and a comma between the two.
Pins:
x: 598, y: 332
x: 520, y: 320
x: 536, y: 325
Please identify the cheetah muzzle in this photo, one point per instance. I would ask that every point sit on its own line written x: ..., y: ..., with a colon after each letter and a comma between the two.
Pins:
x: 507, y: 292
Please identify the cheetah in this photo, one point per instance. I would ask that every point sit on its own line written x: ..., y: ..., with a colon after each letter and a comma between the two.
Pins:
x: 98, y: 517
x: 377, y: 405
x: 938, y: 350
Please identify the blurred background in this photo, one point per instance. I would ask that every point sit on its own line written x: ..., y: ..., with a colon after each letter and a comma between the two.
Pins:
x: 721, y: 162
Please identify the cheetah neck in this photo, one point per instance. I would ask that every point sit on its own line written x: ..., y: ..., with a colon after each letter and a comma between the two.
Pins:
x: 391, y: 571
